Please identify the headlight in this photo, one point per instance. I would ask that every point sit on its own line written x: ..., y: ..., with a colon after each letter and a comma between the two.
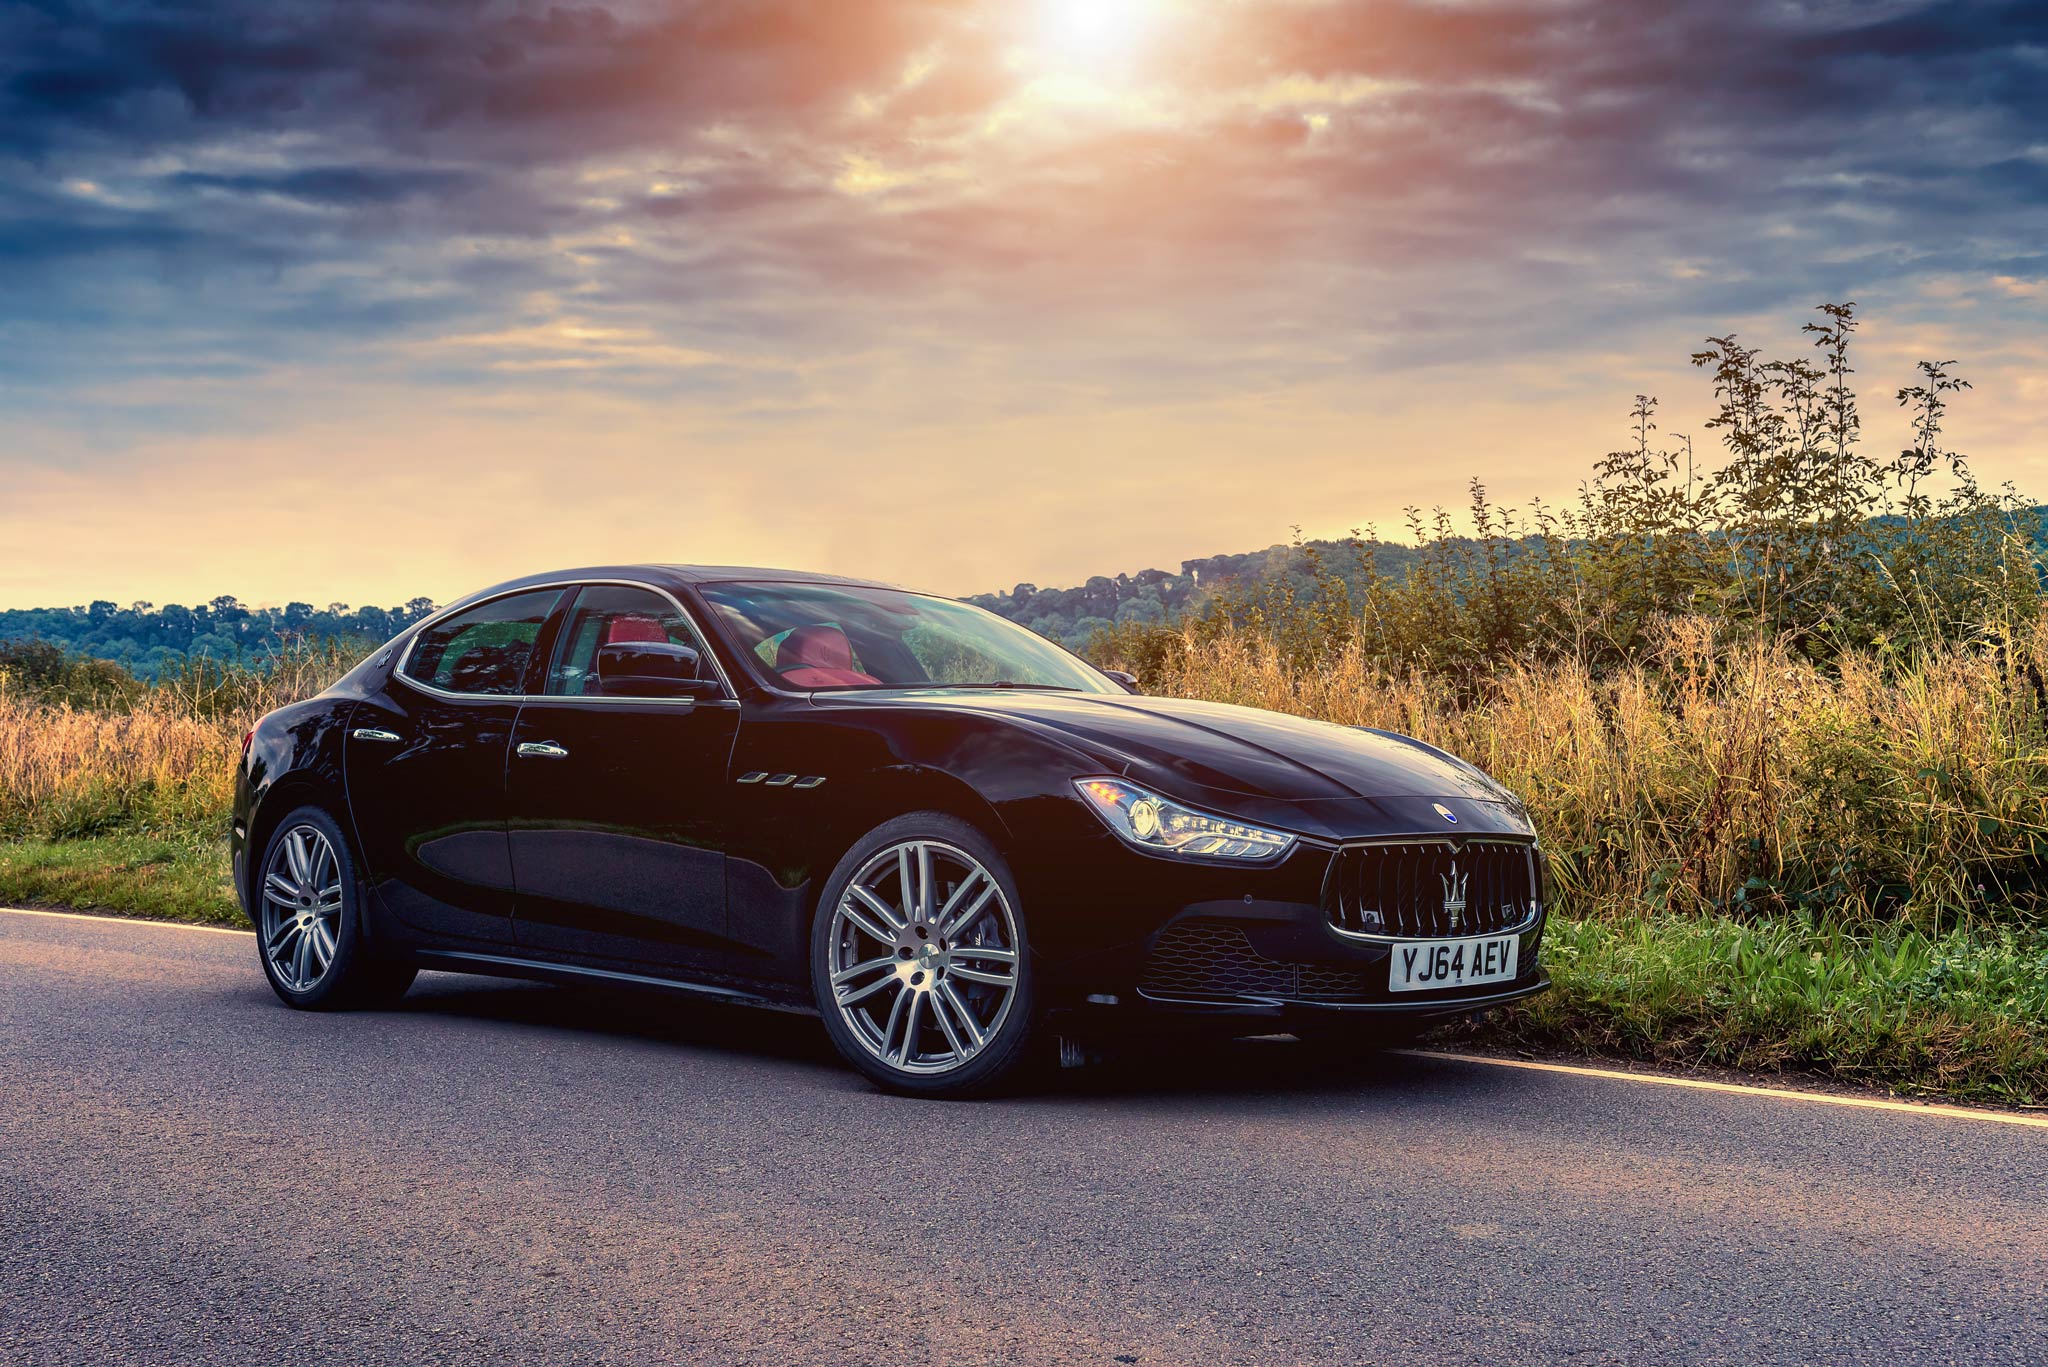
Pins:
x: 1153, y: 823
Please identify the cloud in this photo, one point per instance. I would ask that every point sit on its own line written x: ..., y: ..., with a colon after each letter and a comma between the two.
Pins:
x: 915, y: 216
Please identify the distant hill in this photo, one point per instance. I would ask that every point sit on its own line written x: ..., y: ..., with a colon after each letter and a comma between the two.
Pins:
x: 1074, y: 615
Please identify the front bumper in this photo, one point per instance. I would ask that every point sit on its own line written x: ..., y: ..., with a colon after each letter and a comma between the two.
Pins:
x: 1274, y: 955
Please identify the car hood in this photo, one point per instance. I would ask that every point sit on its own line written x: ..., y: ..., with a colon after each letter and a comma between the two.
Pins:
x: 1190, y: 748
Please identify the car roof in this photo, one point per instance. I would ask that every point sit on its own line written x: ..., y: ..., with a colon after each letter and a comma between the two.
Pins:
x: 715, y: 574
x: 670, y: 576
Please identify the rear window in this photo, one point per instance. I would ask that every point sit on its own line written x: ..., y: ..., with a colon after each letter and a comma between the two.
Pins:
x: 487, y: 650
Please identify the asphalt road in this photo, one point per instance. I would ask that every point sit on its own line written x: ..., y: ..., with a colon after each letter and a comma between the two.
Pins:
x: 502, y: 1173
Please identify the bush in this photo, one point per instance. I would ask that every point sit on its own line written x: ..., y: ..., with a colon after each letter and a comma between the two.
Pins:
x: 1798, y: 537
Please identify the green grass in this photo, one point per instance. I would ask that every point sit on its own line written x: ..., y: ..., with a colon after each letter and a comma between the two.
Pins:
x: 1962, y: 1014
x: 135, y: 875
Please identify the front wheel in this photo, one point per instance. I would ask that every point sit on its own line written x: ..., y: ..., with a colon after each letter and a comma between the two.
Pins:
x: 309, y: 921
x: 920, y: 962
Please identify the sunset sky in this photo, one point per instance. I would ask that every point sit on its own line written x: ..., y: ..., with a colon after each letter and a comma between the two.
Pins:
x: 365, y: 300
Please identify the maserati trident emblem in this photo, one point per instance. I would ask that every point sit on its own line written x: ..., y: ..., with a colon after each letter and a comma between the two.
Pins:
x: 1445, y: 812
x: 1454, y: 894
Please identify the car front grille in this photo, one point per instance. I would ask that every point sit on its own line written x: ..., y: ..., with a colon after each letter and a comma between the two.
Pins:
x: 1432, y: 888
x: 1213, y: 960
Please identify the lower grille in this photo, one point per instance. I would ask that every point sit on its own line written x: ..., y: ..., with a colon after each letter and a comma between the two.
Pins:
x: 1432, y: 888
x: 1213, y: 960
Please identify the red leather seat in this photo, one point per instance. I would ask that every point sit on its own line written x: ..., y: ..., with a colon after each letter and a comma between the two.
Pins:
x: 634, y: 631
x: 818, y: 657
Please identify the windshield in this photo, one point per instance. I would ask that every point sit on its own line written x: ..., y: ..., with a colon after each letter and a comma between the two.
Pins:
x: 836, y: 636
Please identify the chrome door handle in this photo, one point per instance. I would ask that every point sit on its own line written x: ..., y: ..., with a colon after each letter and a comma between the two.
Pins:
x: 372, y: 733
x: 541, y: 749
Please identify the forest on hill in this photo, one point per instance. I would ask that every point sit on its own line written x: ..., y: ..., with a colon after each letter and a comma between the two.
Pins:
x: 1076, y: 616
x: 150, y: 641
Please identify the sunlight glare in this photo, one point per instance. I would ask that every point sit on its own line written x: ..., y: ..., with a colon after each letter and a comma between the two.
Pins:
x: 1090, y: 34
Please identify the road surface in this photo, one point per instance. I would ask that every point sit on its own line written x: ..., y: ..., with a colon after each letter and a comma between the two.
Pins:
x: 504, y: 1173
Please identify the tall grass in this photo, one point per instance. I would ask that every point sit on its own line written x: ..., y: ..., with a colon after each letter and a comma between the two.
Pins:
x: 1715, y: 775
x: 148, y: 760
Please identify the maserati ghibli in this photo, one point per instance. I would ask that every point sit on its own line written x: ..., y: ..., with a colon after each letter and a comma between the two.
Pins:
x: 952, y: 839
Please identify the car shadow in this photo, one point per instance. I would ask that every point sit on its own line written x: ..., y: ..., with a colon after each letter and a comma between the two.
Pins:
x: 1269, y: 1066
x: 1131, y: 1069
x: 625, y: 1013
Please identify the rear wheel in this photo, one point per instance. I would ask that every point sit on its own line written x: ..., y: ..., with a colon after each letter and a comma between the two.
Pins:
x: 309, y: 921
x: 919, y: 960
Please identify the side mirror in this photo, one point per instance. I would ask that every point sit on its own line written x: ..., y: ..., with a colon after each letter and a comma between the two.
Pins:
x: 649, y: 669
x: 1128, y: 680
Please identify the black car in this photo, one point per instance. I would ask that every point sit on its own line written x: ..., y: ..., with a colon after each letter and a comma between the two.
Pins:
x: 948, y: 836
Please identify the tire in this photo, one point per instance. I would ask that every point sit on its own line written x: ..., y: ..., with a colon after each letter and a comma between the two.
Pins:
x: 309, y: 921
x: 918, y: 1006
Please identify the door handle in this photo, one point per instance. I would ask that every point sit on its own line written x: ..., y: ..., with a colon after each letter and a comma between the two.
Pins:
x: 372, y: 733
x: 541, y: 749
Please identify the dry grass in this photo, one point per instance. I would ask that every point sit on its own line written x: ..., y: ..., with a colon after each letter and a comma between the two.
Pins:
x: 164, y: 764
x: 1709, y: 776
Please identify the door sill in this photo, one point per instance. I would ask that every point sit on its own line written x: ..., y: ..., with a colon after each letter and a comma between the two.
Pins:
x: 507, y: 966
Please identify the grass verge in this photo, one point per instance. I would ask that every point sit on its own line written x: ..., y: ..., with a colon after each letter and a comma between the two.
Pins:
x: 1958, y: 1014
x: 135, y: 875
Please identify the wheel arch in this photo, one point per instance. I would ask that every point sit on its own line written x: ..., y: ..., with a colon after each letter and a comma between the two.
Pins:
x: 278, y: 801
x: 901, y: 791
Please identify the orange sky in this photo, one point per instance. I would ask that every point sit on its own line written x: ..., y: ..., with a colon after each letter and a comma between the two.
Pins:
x: 948, y: 294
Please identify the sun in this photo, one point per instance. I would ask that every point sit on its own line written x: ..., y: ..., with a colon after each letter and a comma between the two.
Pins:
x: 1092, y: 35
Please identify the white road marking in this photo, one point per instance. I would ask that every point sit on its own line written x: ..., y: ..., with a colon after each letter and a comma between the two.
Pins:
x: 123, y: 920
x: 1740, y: 1089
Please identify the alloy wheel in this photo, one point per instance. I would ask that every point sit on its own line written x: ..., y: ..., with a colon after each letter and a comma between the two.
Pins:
x: 923, y: 956
x: 301, y: 907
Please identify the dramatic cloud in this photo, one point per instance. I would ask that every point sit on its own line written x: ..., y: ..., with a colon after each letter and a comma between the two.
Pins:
x: 1121, y: 250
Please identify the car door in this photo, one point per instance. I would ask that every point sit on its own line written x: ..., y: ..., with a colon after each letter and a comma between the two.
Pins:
x: 619, y: 788
x: 424, y: 762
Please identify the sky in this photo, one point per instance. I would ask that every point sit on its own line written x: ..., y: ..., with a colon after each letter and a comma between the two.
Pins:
x: 358, y: 301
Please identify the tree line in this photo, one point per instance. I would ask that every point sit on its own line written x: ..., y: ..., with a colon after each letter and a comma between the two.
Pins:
x: 150, y: 641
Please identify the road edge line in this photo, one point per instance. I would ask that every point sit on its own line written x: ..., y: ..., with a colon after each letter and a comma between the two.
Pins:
x: 122, y: 920
x: 1873, y: 1103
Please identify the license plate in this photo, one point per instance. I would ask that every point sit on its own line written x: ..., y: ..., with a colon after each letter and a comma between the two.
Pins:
x: 1426, y: 965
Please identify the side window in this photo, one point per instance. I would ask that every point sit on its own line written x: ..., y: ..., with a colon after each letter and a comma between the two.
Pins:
x: 610, y: 615
x: 484, y: 650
